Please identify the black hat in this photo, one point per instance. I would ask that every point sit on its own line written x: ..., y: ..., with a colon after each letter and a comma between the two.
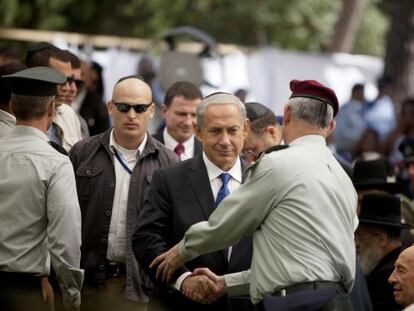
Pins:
x: 375, y: 175
x: 256, y: 111
x: 381, y: 209
x: 36, y: 81
x: 407, y: 149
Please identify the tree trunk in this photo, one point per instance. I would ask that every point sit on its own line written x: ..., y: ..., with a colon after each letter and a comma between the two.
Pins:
x: 348, y: 25
x: 399, y: 58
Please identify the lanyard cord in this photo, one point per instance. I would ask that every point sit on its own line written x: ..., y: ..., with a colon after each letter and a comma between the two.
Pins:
x: 122, y: 162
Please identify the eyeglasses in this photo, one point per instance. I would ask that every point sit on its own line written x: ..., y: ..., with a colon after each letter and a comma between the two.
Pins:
x: 139, y: 108
x: 79, y: 83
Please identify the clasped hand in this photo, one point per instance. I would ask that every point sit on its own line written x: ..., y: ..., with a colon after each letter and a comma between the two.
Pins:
x: 203, y: 286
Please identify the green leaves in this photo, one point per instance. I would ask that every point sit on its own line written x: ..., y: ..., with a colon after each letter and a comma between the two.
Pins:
x: 292, y: 24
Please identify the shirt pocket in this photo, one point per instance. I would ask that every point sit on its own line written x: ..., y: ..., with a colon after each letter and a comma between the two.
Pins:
x: 88, y: 180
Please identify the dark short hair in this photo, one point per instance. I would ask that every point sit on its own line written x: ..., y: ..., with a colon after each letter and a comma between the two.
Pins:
x: 409, y: 101
x: 74, y: 60
x: 359, y: 87
x: 5, y: 84
x: 30, y: 107
x: 41, y: 54
x: 182, y: 88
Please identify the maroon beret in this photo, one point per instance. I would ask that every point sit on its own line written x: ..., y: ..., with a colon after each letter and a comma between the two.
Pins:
x: 314, y: 89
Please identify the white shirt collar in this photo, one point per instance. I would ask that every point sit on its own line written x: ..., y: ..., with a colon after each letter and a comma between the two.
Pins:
x: 113, y: 145
x: 214, y: 171
x: 7, y: 115
x: 308, y: 139
x: 171, y: 143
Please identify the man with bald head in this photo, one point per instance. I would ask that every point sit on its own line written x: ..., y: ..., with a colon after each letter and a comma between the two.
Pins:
x: 113, y: 171
x: 402, y: 278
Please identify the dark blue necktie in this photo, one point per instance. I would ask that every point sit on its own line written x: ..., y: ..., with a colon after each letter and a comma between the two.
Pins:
x: 224, y: 190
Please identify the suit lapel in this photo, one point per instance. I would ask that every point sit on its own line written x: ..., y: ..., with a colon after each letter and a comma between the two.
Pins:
x: 198, y: 148
x: 200, y: 184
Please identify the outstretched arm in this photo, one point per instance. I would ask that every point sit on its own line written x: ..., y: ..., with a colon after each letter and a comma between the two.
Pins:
x: 239, y: 214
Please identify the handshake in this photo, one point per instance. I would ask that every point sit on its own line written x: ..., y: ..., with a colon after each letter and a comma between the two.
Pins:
x: 203, y: 286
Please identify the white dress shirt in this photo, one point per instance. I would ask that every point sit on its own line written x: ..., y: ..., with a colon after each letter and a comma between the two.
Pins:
x: 68, y: 121
x: 7, y: 122
x: 171, y: 143
x: 117, y: 229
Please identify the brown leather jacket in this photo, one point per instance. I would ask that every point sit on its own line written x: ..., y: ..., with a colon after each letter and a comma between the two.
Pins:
x: 93, y: 162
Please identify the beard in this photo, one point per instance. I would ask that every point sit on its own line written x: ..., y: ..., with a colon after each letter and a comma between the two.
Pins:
x: 369, y: 258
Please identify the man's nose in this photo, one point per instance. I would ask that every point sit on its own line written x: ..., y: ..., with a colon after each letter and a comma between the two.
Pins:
x: 188, y: 120
x: 225, y: 138
x: 131, y: 113
x: 392, y: 279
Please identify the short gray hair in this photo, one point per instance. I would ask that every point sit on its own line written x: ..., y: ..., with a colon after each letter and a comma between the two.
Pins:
x: 312, y: 111
x: 219, y: 98
x: 30, y: 107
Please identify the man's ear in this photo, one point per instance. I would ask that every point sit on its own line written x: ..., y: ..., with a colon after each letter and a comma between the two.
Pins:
x: 274, y: 132
x: 110, y: 107
x: 331, y: 127
x: 164, y: 109
x: 11, y: 107
x: 51, y: 109
x: 151, y: 110
x: 247, y: 124
x: 198, y: 132
x: 287, y: 115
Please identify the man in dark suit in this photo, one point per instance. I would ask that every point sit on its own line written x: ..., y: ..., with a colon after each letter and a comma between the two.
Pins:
x: 186, y: 193
x: 179, y: 112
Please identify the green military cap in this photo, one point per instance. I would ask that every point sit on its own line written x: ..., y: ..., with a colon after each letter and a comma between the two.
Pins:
x: 36, y: 81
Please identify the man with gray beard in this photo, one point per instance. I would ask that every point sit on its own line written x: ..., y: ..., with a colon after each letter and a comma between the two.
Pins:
x: 378, y: 245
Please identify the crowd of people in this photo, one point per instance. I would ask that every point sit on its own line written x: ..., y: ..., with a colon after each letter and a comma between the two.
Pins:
x: 225, y: 207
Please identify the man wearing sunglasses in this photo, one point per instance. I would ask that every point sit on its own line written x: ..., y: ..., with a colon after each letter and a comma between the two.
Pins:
x: 66, y: 128
x: 113, y: 171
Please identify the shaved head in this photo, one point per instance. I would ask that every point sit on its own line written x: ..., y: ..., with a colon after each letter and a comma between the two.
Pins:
x: 130, y: 89
x: 130, y: 126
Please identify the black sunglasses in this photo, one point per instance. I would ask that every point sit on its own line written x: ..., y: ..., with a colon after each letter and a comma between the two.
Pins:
x: 139, y: 108
x: 72, y: 79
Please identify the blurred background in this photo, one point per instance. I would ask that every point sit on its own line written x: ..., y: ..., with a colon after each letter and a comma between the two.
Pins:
x: 252, y: 46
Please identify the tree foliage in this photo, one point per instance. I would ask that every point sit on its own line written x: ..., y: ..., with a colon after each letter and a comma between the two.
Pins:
x: 293, y: 24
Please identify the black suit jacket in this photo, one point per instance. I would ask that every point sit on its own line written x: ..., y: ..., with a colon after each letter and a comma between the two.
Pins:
x: 198, y: 148
x: 180, y: 196
x: 382, y: 292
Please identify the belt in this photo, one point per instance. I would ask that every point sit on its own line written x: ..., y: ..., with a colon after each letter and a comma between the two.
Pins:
x: 19, y: 278
x: 306, y: 286
x: 113, y: 270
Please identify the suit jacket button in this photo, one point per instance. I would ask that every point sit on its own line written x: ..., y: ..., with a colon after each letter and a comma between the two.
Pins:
x: 111, y: 185
x: 101, y: 267
x: 108, y: 212
x: 103, y: 240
